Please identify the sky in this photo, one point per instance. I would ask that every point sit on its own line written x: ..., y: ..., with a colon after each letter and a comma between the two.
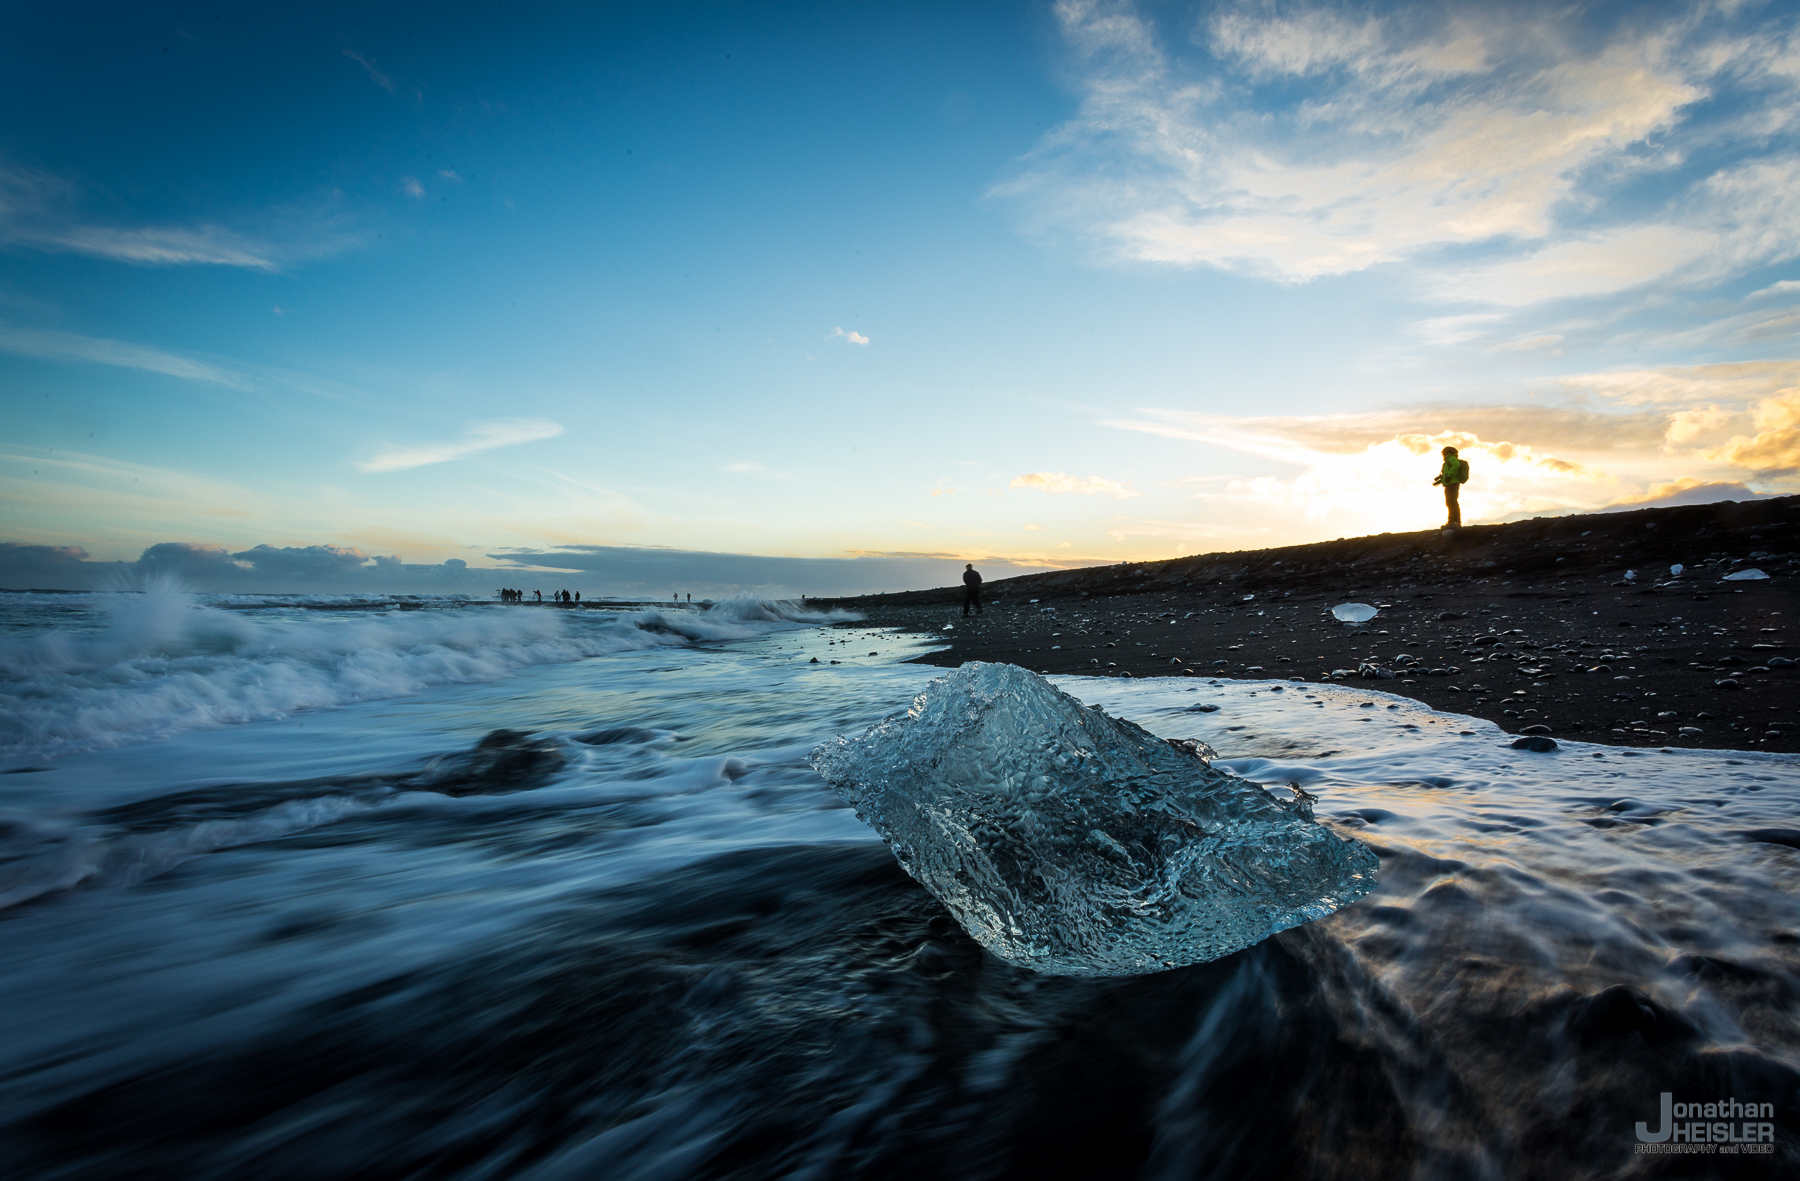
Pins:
x: 788, y: 298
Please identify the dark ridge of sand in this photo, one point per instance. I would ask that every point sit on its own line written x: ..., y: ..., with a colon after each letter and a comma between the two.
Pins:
x: 1530, y: 623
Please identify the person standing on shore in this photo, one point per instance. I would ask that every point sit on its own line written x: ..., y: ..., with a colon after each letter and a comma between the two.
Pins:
x: 971, y: 589
x: 1454, y: 475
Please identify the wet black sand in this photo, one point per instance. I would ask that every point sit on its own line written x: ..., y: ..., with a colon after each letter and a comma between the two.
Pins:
x: 1527, y: 624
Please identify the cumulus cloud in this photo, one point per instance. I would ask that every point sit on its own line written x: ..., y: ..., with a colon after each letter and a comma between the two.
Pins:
x: 24, y: 566
x: 202, y: 564
x: 848, y: 337
x: 481, y: 436
x: 1685, y: 491
x: 1057, y: 483
x: 304, y: 563
x: 206, y: 566
x: 1306, y: 140
x: 1774, y: 450
x: 626, y: 571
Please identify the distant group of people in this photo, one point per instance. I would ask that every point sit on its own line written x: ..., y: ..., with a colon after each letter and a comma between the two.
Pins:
x: 511, y: 595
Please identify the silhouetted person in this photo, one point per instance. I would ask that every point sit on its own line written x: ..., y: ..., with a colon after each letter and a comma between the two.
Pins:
x: 971, y: 589
x: 578, y: 596
x: 690, y: 596
x: 1454, y: 475
x: 538, y: 595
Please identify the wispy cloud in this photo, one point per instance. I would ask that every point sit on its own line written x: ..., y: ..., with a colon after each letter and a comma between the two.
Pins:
x: 130, y: 498
x: 41, y: 211
x: 1057, y: 483
x: 411, y: 187
x: 205, y: 245
x: 849, y: 337
x: 760, y: 471
x: 1556, y: 157
x: 481, y: 436
x: 376, y: 76
x: 67, y: 346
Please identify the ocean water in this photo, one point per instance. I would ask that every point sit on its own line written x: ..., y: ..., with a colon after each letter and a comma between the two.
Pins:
x: 276, y: 900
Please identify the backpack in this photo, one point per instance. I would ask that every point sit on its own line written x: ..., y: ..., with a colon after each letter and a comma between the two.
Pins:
x: 1462, y: 471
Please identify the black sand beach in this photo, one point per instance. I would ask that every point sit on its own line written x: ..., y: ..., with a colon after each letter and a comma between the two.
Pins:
x: 1571, y: 623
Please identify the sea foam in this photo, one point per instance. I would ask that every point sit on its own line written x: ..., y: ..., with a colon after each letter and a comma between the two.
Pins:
x: 162, y: 661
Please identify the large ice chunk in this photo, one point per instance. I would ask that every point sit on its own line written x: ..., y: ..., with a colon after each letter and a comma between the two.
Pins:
x: 1079, y: 844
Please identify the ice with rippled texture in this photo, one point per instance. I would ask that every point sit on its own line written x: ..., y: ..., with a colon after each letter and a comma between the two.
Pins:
x: 1079, y: 844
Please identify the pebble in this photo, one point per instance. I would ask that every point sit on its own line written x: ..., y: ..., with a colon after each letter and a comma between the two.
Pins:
x: 1536, y: 742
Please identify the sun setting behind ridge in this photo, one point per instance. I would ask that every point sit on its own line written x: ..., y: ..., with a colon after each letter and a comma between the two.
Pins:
x: 1048, y: 286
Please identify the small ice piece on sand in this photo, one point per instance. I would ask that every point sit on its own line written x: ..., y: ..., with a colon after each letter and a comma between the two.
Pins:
x: 1676, y: 569
x: 1079, y: 844
x: 1354, y: 612
x: 1745, y: 575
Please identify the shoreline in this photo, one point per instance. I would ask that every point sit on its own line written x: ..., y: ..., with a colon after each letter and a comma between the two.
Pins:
x: 1531, y: 624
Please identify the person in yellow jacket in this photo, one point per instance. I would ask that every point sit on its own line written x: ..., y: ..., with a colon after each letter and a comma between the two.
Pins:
x: 1453, y: 477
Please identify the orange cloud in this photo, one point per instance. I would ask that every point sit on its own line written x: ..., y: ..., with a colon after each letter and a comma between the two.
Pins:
x: 1057, y: 483
x: 1775, y: 448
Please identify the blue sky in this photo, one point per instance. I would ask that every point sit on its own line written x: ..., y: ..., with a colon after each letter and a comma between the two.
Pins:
x: 877, y: 288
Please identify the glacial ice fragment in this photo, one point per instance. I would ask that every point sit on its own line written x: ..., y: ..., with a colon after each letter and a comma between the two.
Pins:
x: 1079, y: 844
x: 1749, y: 575
x: 1353, y: 612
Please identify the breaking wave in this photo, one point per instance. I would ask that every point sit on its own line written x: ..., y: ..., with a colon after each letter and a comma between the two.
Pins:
x: 162, y: 661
